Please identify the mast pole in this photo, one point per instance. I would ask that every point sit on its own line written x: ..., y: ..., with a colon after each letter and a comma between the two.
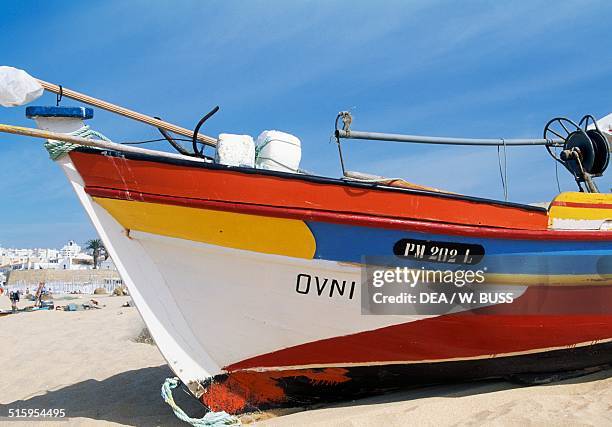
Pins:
x: 497, y: 142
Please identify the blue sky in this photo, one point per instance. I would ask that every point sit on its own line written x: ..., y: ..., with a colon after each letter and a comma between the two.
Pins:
x: 473, y: 69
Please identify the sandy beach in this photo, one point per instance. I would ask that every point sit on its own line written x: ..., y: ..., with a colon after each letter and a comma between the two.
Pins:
x: 88, y: 363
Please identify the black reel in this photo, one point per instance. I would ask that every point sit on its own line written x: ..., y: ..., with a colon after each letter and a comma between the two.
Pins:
x: 600, y: 145
x: 584, y: 151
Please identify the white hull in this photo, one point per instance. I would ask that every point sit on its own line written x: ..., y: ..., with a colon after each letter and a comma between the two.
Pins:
x: 208, y: 306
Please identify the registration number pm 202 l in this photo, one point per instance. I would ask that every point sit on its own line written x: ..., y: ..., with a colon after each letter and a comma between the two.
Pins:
x: 434, y: 251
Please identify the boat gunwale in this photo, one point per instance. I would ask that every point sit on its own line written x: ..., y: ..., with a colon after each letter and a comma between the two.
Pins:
x: 310, y: 178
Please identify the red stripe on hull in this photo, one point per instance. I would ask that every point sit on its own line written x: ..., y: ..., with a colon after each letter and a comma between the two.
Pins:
x: 191, y: 182
x: 353, y: 219
x: 486, y: 332
x: 582, y: 205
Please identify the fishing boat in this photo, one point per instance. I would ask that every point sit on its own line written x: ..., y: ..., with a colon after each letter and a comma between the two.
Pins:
x: 251, y: 280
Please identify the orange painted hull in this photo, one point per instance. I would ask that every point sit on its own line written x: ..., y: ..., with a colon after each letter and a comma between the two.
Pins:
x: 268, y: 190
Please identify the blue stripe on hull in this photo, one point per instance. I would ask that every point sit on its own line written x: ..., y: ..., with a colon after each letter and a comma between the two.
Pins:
x: 339, y: 242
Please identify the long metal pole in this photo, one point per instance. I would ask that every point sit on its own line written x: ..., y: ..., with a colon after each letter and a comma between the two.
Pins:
x: 377, y: 136
x: 125, y: 112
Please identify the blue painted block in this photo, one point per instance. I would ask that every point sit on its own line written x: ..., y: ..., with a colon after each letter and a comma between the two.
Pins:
x: 75, y: 112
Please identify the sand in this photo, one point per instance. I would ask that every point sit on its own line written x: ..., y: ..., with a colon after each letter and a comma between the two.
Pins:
x: 88, y: 363
x: 85, y: 362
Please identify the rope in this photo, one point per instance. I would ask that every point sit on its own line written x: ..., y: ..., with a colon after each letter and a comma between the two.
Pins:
x: 87, y: 132
x: 57, y: 149
x: 381, y: 180
x: 503, y: 173
x: 211, y: 419
x: 557, y: 172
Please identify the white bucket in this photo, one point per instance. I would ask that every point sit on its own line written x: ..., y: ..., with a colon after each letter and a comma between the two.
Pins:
x: 278, y: 151
x: 235, y: 150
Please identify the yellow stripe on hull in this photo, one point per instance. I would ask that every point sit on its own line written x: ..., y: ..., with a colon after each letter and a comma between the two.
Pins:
x: 233, y: 230
x: 581, y: 211
x: 549, y: 280
x: 503, y: 279
x: 595, y: 211
x: 591, y: 198
x: 563, y: 212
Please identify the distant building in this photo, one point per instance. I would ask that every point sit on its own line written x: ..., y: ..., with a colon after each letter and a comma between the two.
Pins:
x: 77, y: 262
x: 69, y: 257
x: 70, y: 249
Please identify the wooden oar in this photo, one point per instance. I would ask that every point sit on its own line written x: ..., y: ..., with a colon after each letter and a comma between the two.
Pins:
x: 126, y: 112
x: 45, y: 134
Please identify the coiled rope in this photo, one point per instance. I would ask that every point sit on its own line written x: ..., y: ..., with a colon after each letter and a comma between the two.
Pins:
x: 211, y: 419
x: 57, y: 149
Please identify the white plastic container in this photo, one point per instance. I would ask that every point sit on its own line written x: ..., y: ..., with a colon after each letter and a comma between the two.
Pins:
x: 278, y: 151
x: 235, y: 150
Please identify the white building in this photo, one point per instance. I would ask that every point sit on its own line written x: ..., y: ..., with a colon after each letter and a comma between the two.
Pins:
x: 78, y: 262
x: 69, y: 257
x: 70, y: 249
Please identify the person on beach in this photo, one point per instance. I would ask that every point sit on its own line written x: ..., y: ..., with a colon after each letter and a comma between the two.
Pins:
x: 14, y: 297
x: 39, y: 294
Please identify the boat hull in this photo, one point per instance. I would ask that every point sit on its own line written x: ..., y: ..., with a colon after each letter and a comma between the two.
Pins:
x: 254, y: 298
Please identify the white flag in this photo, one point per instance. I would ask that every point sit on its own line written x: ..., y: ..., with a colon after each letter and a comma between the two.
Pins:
x: 17, y: 87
